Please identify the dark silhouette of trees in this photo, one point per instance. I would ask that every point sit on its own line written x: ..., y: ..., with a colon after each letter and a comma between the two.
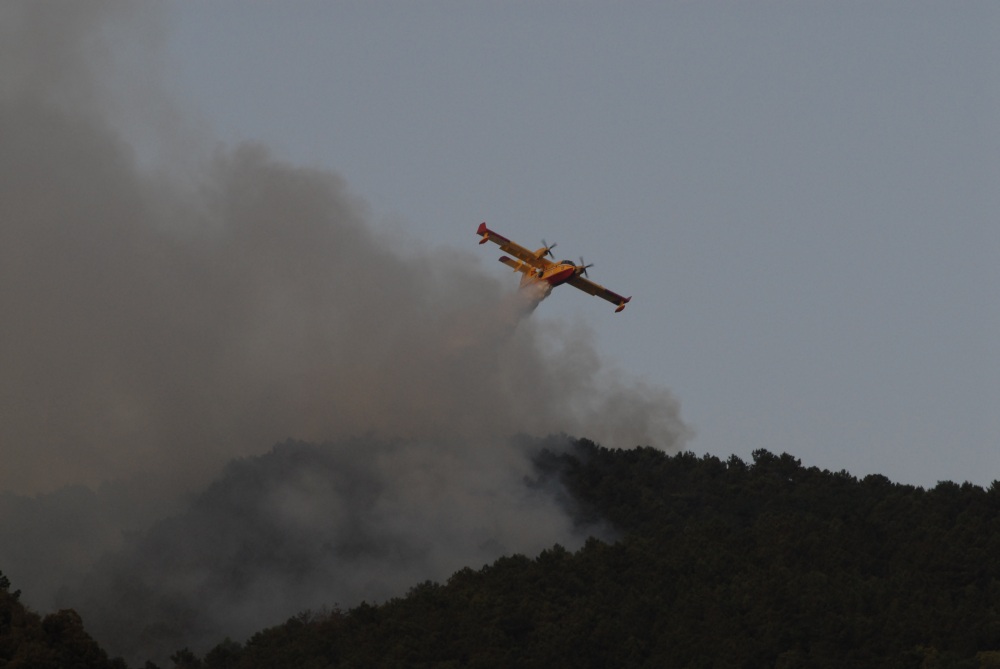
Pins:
x: 706, y: 563
x: 57, y: 641
x: 715, y: 564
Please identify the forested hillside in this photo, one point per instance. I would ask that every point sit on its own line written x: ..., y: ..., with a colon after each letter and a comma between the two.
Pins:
x: 719, y: 564
x: 715, y: 564
x: 56, y: 641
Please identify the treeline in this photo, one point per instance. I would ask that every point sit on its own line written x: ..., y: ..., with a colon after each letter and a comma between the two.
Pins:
x: 57, y: 641
x: 718, y: 564
x: 715, y: 564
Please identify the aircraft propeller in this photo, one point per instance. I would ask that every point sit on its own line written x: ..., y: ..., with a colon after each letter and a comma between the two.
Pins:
x: 583, y: 266
x: 548, y: 249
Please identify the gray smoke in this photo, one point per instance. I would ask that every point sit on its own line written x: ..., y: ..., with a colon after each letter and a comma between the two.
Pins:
x: 312, y: 526
x: 163, y: 316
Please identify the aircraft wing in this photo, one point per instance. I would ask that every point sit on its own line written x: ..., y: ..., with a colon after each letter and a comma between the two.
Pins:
x: 517, y: 265
x: 510, y: 247
x: 588, y: 286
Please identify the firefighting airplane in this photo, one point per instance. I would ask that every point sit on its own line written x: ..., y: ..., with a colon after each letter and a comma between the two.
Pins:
x: 536, y: 267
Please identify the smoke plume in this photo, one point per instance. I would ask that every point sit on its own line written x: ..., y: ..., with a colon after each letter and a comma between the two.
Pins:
x: 161, y: 317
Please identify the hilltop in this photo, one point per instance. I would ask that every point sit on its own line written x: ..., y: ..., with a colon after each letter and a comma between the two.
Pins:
x: 708, y: 563
x: 719, y: 564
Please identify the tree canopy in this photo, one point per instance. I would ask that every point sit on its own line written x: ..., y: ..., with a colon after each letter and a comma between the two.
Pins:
x: 56, y: 641
x: 706, y: 563
x: 716, y: 564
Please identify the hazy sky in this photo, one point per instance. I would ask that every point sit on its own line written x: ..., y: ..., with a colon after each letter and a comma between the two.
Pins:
x: 171, y: 301
x: 801, y: 197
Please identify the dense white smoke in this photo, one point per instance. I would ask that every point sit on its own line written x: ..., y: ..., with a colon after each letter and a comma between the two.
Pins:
x: 161, y: 320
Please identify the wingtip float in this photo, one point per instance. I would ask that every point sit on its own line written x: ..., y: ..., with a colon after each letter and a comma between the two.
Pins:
x: 535, y: 267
